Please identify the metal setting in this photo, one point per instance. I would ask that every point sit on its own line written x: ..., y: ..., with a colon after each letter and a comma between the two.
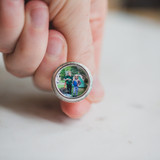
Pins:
x: 57, y: 90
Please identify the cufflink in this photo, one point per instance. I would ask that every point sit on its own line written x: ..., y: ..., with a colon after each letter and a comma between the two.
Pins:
x: 71, y: 82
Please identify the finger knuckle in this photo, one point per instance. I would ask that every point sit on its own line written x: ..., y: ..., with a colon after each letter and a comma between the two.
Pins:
x: 42, y: 82
x: 19, y: 72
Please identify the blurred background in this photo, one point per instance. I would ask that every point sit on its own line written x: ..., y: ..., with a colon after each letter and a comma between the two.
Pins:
x: 124, y: 126
x: 146, y: 8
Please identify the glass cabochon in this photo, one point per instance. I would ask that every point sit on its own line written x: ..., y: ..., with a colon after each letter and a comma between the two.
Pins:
x: 72, y: 81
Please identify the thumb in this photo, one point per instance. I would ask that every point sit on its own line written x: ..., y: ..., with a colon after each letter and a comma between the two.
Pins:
x: 73, y: 22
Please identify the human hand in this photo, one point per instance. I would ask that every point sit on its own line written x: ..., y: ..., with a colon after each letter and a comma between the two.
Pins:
x: 31, y: 49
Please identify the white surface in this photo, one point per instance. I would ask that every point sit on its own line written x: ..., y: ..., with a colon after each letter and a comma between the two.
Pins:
x: 125, y: 126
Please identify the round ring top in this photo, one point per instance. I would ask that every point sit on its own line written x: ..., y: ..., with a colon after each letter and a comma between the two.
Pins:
x: 71, y: 82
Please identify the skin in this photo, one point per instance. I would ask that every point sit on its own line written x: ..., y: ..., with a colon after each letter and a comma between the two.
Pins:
x: 31, y: 49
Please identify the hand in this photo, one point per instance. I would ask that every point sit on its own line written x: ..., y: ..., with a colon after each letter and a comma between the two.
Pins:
x: 31, y: 49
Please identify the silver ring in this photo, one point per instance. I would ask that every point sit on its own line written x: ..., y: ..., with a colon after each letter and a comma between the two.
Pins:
x: 71, y: 82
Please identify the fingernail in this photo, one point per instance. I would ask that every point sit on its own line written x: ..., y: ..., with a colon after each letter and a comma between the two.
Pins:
x: 97, y: 92
x: 55, y: 46
x: 39, y: 17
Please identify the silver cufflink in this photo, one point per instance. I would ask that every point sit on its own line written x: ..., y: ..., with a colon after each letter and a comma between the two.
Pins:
x: 71, y: 82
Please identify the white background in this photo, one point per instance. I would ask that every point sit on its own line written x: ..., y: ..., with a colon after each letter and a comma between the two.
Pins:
x: 125, y: 126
